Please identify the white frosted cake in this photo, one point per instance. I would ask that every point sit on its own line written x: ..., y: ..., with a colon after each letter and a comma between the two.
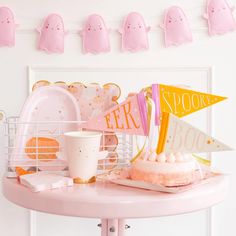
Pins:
x: 165, y: 169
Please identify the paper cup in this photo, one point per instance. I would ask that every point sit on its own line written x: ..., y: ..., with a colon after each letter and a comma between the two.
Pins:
x: 82, y: 149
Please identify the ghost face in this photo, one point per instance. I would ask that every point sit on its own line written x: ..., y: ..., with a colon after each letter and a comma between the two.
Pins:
x: 175, y: 18
x: 218, y: 7
x: 6, y: 17
x: 58, y: 113
x: 134, y: 23
x: 95, y: 25
x: 59, y: 110
x: 53, y: 24
x: 86, y: 151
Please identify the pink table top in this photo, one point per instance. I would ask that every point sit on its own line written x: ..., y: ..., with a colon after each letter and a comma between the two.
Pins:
x: 107, y: 200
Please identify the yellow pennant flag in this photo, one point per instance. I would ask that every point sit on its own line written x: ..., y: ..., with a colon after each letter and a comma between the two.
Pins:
x: 181, y: 102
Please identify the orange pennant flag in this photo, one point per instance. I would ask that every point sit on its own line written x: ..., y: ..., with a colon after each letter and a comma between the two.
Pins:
x: 181, y: 102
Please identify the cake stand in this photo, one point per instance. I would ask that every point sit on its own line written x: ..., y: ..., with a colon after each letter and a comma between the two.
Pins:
x: 113, y: 203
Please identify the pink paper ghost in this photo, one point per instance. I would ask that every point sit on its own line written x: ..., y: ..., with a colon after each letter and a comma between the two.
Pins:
x: 7, y: 27
x: 134, y: 33
x: 52, y: 34
x: 95, y: 35
x: 219, y: 16
x: 176, y: 27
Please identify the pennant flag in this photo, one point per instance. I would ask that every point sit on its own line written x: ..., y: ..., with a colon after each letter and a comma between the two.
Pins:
x: 178, y: 136
x: 130, y: 117
x: 155, y: 98
x: 181, y: 102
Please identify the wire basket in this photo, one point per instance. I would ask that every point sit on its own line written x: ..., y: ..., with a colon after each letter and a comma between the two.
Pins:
x: 40, y: 146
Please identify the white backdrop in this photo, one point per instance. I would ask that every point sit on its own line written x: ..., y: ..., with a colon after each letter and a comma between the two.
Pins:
x: 191, y: 64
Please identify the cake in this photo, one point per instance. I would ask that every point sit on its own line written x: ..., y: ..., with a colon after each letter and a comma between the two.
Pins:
x: 165, y: 169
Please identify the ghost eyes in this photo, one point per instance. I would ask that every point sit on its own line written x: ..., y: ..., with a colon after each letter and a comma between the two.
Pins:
x: 212, y: 10
x: 57, y: 27
x: 129, y: 25
x: 7, y: 21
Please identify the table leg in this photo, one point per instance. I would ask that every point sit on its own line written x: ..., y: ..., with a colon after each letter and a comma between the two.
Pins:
x: 121, y: 227
x: 104, y: 227
x: 113, y: 227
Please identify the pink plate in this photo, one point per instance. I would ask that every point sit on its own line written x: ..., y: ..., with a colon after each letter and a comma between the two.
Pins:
x: 144, y: 185
x: 161, y: 188
x: 45, y: 114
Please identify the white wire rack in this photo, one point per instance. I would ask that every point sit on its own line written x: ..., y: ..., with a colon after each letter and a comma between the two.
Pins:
x: 40, y: 146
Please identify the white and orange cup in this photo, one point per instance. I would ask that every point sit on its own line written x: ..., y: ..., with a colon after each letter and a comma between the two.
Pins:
x: 82, y: 149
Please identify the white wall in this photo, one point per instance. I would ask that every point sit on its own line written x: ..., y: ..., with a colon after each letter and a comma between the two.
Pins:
x: 218, y: 52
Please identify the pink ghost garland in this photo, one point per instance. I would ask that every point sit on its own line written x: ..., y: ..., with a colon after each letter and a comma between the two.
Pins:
x: 134, y: 33
x: 95, y: 35
x: 219, y: 17
x: 7, y: 27
x: 176, y: 27
x: 52, y: 34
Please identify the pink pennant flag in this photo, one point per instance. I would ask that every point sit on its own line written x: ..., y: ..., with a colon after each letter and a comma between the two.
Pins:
x: 129, y: 117
x: 156, y: 99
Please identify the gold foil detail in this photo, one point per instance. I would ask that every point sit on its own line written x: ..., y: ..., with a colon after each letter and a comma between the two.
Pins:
x: 78, y: 180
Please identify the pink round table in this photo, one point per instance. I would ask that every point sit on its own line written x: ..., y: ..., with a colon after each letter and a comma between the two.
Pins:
x: 113, y: 203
